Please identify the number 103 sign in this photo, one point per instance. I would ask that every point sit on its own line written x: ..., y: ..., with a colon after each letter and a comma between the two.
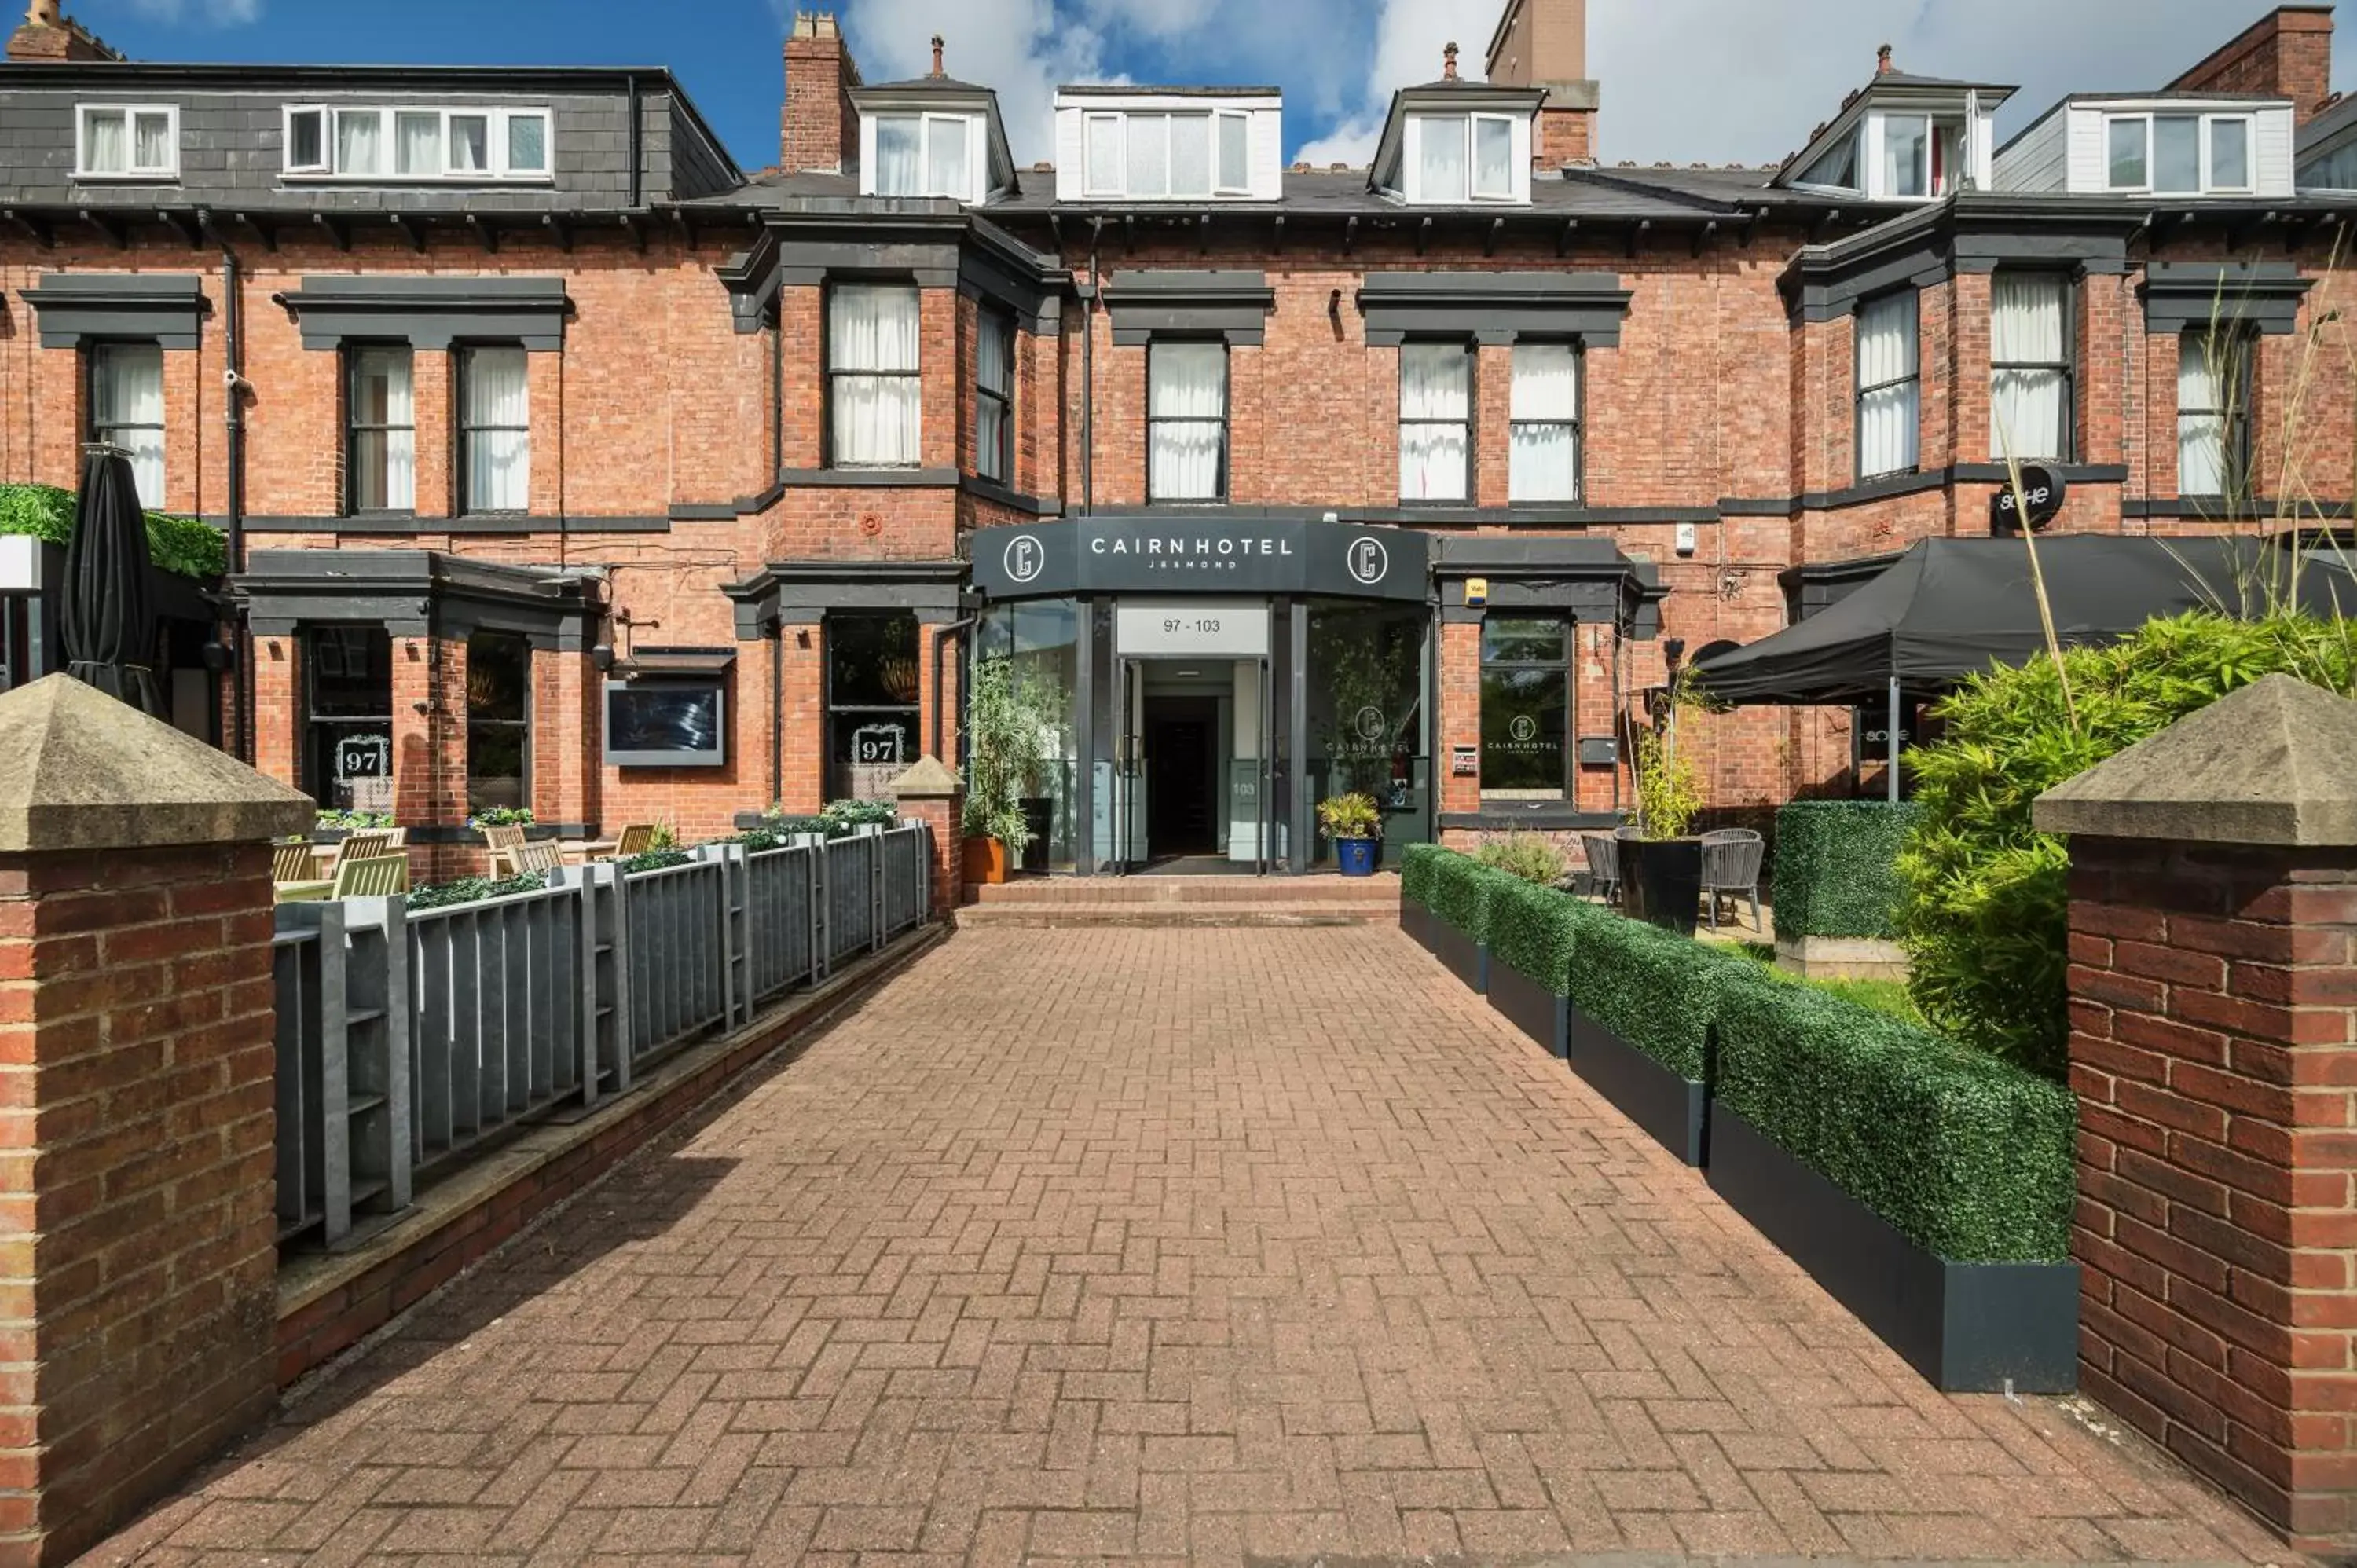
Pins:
x: 1191, y: 629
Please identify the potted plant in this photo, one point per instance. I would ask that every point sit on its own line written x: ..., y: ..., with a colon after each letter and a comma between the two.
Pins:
x: 1005, y: 743
x: 1661, y: 870
x: 1356, y: 826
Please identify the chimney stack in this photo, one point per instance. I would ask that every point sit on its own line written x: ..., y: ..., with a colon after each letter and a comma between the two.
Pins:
x: 936, y: 56
x: 2288, y: 53
x: 1448, y: 60
x: 49, y: 35
x: 1543, y: 44
x: 1882, y: 66
x: 819, y: 130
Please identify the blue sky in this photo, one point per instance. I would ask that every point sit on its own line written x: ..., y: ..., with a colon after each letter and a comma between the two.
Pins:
x: 1720, y: 80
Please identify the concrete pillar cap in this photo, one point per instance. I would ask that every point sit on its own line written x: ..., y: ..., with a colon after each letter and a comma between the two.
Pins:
x: 928, y: 779
x: 80, y: 771
x: 2273, y: 763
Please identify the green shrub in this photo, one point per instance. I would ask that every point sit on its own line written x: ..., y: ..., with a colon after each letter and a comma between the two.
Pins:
x: 335, y: 817
x: 1536, y: 930
x: 1655, y: 989
x: 1462, y: 892
x: 1532, y: 857
x: 655, y: 860
x: 473, y: 889
x: 1984, y: 911
x: 1887, y: 997
x: 1836, y: 867
x: 841, y: 816
x: 1419, y: 864
x: 1968, y: 1156
x: 185, y: 546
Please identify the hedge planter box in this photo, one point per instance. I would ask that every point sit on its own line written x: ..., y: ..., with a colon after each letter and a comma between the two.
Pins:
x: 1966, y: 1327
x: 1417, y: 921
x: 1468, y: 960
x: 1669, y: 1107
x: 1530, y: 1006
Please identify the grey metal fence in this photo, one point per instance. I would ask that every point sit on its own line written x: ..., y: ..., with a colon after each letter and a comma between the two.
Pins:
x: 406, y: 1038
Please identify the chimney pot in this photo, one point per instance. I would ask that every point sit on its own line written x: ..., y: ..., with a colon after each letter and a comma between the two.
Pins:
x: 937, y: 55
x: 1449, y: 62
x: 1882, y: 66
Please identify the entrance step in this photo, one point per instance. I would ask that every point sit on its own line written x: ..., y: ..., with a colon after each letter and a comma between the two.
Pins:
x: 1109, y: 892
x: 1134, y: 913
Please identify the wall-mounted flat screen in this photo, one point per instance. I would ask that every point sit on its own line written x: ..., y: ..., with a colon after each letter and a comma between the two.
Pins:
x: 666, y: 723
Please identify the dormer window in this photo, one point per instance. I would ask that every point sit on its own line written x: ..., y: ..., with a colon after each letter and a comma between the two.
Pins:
x: 420, y: 143
x: 925, y: 154
x: 1912, y: 157
x: 2179, y: 155
x: 1155, y: 155
x: 1462, y: 158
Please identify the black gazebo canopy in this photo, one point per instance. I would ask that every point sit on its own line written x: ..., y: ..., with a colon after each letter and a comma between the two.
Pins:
x: 1948, y: 608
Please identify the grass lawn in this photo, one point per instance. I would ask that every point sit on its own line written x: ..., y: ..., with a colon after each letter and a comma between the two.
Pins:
x: 1885, y: 996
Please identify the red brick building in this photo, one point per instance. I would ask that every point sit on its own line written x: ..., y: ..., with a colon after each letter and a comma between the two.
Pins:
x: 566, y: 464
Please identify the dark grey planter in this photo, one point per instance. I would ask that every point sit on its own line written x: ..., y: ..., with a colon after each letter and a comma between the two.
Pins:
x: 1669, y: 1107
x: 1467, y: 958
x: 1417, y: 921
x: 1966, y: 1327
x: 1531, y: 1007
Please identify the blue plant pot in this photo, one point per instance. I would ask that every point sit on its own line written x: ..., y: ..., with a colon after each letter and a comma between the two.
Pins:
x: 1356, y: 857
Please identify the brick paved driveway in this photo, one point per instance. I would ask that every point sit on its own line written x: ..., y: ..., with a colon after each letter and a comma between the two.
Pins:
x: 1176, y: 1243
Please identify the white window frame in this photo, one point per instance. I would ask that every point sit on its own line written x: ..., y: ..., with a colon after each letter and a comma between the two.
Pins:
x: 495, y: 149
x: 1119, y: 121
x: 1412, y: 181
x: 130, y: 112
x: 1219, y: 119
x: 1119, y: 124
x: 2206, y: 136
x: 976, y: 153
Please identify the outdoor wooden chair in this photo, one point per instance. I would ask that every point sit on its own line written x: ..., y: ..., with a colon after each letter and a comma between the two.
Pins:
x: 1731, y: 858
x: 539, y: 855
x: 367, y: 843
x: 295, y: 874
x: 505, y: 841
x: 372, y: 877
x: 636, y: 838
x: 1603, y: 866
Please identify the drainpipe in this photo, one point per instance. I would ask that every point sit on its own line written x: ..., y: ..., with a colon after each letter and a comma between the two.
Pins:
x: 1089, y: 375
x: 638, y: 144
x: 240, y: 641
x: 953, y: 632
x: 777, y: 711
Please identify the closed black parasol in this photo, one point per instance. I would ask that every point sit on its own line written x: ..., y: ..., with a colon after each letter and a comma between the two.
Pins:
x: 108, y: 622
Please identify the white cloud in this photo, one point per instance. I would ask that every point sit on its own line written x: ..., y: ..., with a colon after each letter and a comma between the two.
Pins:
x: 1722, y: 80
x: 210, y: 13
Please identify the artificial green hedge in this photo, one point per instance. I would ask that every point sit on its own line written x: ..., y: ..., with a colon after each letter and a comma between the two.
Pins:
x: 1419, y: 864
x: 1968, y: 1156
x: 1463, y: 893
x: 185, y: 546
x: 1836, y: 867
x: 1658, y: 991
x: 1536, y: 930
x: 474, y: 889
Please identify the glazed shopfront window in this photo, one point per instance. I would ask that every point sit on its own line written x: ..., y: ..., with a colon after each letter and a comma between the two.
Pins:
x: 499, y: 720
x: 872, y: 690
x: 1041, y: 640
x: 1525, y: 707
x: 347, y: 716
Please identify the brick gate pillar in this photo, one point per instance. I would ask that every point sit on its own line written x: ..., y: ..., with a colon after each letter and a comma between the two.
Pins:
x: 932, y: 792
x: 2213, y: 1046
x: 138, y: 1263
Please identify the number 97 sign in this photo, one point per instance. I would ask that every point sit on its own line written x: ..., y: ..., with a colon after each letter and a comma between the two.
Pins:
x: 875, y: 744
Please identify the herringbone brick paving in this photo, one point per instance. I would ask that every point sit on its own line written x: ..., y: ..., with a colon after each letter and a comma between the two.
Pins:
x: 1182, y: 1244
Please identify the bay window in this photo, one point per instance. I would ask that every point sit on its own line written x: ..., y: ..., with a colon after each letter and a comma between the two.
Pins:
x: 2213, y: 413
x: 871, y: 701
x: 380, y: 432
x: 994, y: 390
x: 1889, y: 387
x: 2029, y: 368
x: 872, y: 375
x: 127, y: 410
x: 1185, y: 421
x: 499, y: 720
x: 494, y: 430
x: 1435, y: 430
x: 1525, y: 707
x: 1543, y: 463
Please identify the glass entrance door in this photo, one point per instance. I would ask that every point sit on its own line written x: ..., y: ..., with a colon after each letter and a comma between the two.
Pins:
x: 1191, y: 765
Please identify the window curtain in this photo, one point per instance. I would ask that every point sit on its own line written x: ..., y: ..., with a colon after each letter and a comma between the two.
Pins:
x: 898, y: 141
x: 1544, y: 465
x: 420, y: 150
x: 2029, y: 405
x: 360, y: 142
x: 1186, y: 405
x: 1886, y: 419
x: 153, y: 135
x: 1436, y: 410
x: 872, y: 349
x: 384, y: 458
x: 128, y: 398
x: 106, y: 143
x: 497, y: 414
x: 1493, y: 152
x: 1440, y: 157
x: 470, y: 143
x: 2204, y: 382
x: 945, y: 157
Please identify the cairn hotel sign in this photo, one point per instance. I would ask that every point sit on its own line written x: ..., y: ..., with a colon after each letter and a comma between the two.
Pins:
x: 1181, y: 554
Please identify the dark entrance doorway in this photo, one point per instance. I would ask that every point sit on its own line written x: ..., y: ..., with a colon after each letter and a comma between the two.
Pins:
x: 1182, y: 758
